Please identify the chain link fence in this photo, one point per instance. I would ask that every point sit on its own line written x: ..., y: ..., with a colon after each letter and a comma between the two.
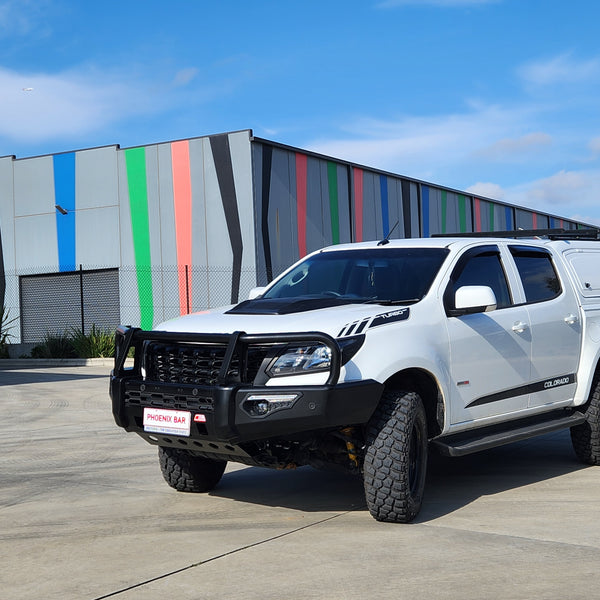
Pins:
x: 57, y: 303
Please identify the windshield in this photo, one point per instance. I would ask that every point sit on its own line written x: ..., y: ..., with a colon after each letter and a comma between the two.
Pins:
x: 390, y: 275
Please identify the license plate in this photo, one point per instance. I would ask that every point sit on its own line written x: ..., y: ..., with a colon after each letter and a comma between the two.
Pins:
x: 174, y: 422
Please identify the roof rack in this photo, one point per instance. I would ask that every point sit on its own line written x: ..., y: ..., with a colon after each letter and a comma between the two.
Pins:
x: 551, y: 234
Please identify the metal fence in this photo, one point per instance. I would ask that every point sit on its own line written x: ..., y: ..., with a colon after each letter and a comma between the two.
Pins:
x: 57, y: 303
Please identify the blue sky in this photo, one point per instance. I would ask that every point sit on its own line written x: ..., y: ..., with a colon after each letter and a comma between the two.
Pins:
x: 497, y: 97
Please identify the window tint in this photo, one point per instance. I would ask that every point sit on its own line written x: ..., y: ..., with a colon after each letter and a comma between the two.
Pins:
x: 539, y: 278
x: 367, y: 274
x: 485, y: 269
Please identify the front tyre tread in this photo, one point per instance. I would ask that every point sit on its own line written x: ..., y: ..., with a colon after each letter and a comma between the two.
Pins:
x: 185, y: 472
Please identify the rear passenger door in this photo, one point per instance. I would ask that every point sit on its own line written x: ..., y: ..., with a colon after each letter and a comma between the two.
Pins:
x: 490, y: 362
x: 555, y: 324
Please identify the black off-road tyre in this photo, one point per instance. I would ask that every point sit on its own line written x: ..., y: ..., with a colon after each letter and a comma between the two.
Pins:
x: 586, y: 437
x: 188, y: 473
x: 395, y: 463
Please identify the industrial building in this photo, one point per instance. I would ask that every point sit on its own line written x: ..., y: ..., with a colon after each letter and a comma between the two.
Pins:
x: 138, y: 235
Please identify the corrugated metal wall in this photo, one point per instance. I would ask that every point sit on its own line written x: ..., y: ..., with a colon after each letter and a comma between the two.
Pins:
x: 196, y: 223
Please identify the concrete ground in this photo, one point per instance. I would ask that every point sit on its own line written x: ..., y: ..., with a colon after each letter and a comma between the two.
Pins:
x: 85, y: 514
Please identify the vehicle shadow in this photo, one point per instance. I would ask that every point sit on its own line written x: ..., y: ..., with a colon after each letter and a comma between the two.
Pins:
x: 452, y: 483
x: 21, y: 377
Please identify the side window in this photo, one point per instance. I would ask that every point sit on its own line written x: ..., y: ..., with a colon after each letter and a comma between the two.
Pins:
x: 537, y: 272
x: 484, y: 268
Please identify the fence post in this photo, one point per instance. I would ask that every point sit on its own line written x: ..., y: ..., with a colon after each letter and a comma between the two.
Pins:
x: 81, y: 298
x: 187, y: 288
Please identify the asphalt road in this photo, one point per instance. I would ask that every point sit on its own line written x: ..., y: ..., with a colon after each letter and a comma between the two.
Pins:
x: 85, y: 514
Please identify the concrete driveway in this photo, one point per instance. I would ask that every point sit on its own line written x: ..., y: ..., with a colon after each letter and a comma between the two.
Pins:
x: 85, y: 514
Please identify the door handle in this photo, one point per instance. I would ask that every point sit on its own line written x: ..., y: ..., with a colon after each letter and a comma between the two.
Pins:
x: 519, y: 327
x: 571, y: 319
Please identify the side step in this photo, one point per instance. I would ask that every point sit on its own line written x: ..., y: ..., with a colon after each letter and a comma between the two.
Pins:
x: 467, y: 442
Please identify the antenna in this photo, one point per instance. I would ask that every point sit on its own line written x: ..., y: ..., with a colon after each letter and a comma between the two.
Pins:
x: 386, y: 239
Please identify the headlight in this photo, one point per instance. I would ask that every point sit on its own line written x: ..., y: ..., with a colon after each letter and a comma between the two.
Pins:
x: 295, y: 360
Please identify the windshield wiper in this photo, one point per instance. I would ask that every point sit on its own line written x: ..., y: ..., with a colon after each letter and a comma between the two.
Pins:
x: 392, y: 302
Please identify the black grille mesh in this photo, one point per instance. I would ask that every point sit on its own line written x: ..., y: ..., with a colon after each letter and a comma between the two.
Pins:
x: 200, y: 364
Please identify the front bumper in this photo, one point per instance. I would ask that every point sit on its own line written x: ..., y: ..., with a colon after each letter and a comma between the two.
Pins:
x: 220, y: 419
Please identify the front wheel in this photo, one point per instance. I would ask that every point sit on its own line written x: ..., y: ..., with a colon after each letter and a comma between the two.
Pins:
x: 188, y: 473
x: 395, y: 463
x: 586, y: 437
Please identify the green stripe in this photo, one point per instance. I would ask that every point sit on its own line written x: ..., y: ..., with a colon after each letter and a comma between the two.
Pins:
x: 444, y: 210
x: 135, y: 160
x: 462, y: 213
x: 492, y: 217
x: 333, y: 202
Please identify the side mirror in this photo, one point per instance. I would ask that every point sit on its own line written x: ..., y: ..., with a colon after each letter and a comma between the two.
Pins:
x: 474, y: 299
x: 256, y: 292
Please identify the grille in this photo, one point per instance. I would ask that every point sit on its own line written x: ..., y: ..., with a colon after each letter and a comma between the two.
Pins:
x: 200, y: 364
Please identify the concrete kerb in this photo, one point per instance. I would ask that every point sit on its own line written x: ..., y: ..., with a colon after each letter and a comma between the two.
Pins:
x: 42, y: 363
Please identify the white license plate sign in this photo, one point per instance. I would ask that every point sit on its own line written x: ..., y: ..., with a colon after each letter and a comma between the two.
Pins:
x: 174, y: 422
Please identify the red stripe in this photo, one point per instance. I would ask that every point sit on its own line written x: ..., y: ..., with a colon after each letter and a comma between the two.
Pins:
x: 301, y: 161
x: 182, y: 199
x: 477, y: 214
x: 534, y: 220
x: 358, y: 204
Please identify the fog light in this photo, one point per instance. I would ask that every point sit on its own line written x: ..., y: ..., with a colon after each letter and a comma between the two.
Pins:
x: 261, y: 405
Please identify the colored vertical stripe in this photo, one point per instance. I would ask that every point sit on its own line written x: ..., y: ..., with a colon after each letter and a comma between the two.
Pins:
x: 224, y: 166
x: 534, y: 220
x: 385, y: 209
x: 477, y: 205
x: 444, y: 210
x: 267, y: 160
x: 64, y: 196
x: 425, y: 209
x: 182, y: 201
x: 492, y: 214
x: 333, y: 202
x: 462, y: 213
x: 301, y: 170
x: 358, y: 204
x: 508, y: 216
x: 406, y: 216
x: 135, y: 161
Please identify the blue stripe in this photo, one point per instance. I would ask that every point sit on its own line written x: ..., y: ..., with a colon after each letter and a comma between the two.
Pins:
x: 508, y: 214
x: 64, y: 195
x: 385, y: 213
x: 425, y: 209
x: 552, y: 224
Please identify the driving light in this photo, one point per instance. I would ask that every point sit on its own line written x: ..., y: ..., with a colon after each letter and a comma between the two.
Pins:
x: 261, y: 405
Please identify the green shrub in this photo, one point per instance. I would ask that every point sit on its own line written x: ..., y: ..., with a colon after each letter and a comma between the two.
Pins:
x: 55, y: 345
x: 6, y: 326
x: 97, y: 343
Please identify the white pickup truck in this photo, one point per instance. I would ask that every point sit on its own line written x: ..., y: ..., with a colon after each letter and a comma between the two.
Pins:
x: 364, y: 356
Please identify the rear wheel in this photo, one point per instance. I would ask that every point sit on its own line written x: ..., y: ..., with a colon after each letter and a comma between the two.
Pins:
x: 188, y: 473
x: 586, y: 437
x: 395, y: 463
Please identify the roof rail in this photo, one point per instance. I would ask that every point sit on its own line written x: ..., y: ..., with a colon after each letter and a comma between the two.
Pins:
x: 551, y: 234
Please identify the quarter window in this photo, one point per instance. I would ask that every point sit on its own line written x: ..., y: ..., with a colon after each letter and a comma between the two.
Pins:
x: 537, y: 272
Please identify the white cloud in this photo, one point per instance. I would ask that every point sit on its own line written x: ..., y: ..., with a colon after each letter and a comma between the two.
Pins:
x: 506, y: 148
x: 487, y: 190
x: 185, y: 76
x: 559, y: 70
x: 566, y: 193
x: 413, y: 145
x: 21, y: 17
x: 65, y: 104
x: 594, y: 145
x: 445, y: 3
